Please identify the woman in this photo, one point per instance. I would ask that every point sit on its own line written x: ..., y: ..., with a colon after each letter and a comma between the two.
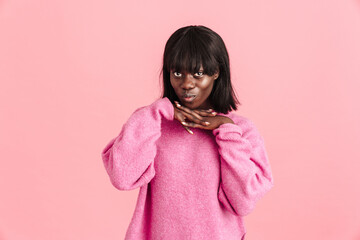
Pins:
x: 200, y: 167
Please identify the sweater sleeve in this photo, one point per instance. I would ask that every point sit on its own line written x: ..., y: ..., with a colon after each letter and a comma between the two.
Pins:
x: 245, y: 170
x: 129, y: 157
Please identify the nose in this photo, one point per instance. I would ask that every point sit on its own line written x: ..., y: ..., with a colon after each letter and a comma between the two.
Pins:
x: 188, y: 82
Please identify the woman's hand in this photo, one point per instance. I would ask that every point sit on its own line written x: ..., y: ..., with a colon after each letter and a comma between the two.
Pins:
x: 204, y: 119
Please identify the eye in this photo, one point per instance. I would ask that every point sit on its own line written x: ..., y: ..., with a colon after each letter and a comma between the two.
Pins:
x: 177, y: 74
x: 199, y: 74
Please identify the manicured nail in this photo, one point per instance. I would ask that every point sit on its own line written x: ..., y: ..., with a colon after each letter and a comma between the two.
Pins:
x: 207, y: 123
x: 214, y: 113
x: 177, y: 104
x: 190, y: 131
x: 184, y: 123
x: 210, y: 110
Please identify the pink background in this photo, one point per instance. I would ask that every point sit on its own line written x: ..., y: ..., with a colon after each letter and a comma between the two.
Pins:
x: 72, y: 72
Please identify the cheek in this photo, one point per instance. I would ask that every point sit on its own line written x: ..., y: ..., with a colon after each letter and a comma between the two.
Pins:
x: 173, y: 81
x: 206, y: 86
x: 175, y: 86
x: 172, y: 84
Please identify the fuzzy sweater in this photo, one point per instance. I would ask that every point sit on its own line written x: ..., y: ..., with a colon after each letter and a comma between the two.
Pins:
x: 192, y: 187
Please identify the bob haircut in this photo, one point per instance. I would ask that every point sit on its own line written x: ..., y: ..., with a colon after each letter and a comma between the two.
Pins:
x: 191, y: 47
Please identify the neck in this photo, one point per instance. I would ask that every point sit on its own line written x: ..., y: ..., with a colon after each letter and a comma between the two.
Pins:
x: 206, y: 105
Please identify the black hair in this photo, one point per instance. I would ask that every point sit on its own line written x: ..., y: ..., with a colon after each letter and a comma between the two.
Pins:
x: 192, y: 46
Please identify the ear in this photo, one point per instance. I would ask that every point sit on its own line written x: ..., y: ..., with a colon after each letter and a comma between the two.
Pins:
x: 216, y: 75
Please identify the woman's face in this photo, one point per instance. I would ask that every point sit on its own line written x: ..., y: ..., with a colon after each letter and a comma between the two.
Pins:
x: 193, y: 90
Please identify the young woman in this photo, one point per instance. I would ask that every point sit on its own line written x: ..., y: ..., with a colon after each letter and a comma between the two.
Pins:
x: 200, y: 167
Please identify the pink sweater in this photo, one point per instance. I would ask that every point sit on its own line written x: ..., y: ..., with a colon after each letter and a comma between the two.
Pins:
x: 191, y: 186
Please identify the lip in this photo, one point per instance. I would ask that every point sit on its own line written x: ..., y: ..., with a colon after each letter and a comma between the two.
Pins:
x: 188, y: 97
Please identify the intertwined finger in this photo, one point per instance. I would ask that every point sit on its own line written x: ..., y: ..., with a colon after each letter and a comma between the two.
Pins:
x: 181, y: 118
x: 192, y: 124
x: 188, y: 129
x: 187, y: 110
x: 191, y: 115
x: 206, y: 113
x: 192, y: 118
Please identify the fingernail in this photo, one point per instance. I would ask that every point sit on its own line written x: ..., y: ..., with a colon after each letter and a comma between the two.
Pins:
x: 207, y: 123
x: 190, y: 131
x: 214, y: 113
x: 177, y: 104
x: 210, y: 110
x: 183, y: 123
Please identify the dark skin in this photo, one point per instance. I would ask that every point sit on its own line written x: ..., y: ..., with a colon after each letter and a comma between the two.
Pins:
x: 194, y: 109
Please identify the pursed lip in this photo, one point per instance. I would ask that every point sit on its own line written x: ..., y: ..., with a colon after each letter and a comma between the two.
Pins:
x: 185, y: 95
x: 188, y: 97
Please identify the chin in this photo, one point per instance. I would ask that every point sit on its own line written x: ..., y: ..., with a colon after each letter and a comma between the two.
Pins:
x: 189, y: 105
